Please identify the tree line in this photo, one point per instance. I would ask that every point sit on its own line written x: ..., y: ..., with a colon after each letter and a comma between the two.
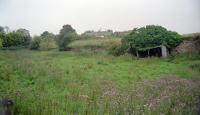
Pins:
x: 46, y: 41
x: 138, y: 38
x: 20, y: 37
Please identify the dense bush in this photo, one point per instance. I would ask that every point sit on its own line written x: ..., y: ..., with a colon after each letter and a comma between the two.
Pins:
x: 66, y: 35
x: 12, y: 39
x: 1, y: 43
x: 117, y: 50
x: 47, y: 44
x: 35, y: 43
x: 2, y: 29
x: 151, y: 36
x: 47, y: 41
x: 19, y: 38
x: 1, y: 37
x: 25, y: 37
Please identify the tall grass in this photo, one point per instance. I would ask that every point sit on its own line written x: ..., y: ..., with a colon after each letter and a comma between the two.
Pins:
x: 105, y: 43
x: 54, y: 83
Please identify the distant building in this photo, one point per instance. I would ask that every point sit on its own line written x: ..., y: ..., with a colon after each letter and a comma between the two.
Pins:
x: 100, y: 34
x: 121, y: 33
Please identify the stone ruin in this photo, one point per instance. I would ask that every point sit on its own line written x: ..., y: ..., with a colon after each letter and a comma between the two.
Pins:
x: 189, y: 45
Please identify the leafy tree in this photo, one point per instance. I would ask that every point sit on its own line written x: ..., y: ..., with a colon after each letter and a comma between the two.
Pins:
x: 47, y: 44
x: 47, y: 41
x: 117, y: 50
x: 1, y: 43
x: 35, y: 43
x: 44, y: 34
x: 1, y: 36
x: 66, y: 35
x: 2, y: 29
x: 6, y: 29
x: 12, y: 39
x: 47, y: 35
x: 67, y: 29
x: 151, y: 36
x: 25, y: 36
x: 21, y: 37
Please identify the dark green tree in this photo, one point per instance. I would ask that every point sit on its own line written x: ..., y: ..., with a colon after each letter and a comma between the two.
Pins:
x: 25, y: 36
x: 47, y: 35
x: 1, y: 42
x: 1, y: 36
x: 151, y: 36
x: 12, y: 39
x: 35, y: 43
x: 1, y: 45
x: 15, y: 39
x: 44, y: 34
x: 66, y: 35
x: 21, y: 37
x: 2, y: 29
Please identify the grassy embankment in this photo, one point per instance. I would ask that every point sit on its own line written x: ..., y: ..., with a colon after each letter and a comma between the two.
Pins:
x: 94, y: 45
x: 60, y: 83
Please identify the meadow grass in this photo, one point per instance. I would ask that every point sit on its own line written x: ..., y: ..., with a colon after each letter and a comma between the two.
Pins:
x: 96, y: 43
x: 71, y: 83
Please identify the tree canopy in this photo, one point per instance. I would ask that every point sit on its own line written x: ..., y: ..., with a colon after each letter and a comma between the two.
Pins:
x: 47, y: 41
x: 1, y: 43
x: 2, y: 29
x: 35, y: 43
x: 66, y: 35
x: 151, y: 36
x: 25, y: 36
x: 21, y: 37
x: 67, y: 29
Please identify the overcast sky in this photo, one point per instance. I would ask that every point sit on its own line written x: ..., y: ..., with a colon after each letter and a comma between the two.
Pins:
x: 37, y: 16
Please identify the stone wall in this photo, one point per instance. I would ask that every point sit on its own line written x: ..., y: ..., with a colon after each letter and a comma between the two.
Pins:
x: 189, y: 45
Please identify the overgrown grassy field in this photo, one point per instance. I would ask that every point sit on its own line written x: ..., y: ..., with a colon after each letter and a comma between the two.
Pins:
x: 71, y: 83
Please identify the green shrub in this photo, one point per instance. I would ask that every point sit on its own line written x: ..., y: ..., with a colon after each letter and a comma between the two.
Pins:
x: 25, y: 36
x: 11, y: 39
x: 15, y: 39
x: 47, y: 44
x: 1, y: 43
x: 117, y: 50
x: 35, y: 43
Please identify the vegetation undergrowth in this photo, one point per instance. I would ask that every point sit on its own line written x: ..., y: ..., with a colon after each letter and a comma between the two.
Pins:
x: 60, y: 83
